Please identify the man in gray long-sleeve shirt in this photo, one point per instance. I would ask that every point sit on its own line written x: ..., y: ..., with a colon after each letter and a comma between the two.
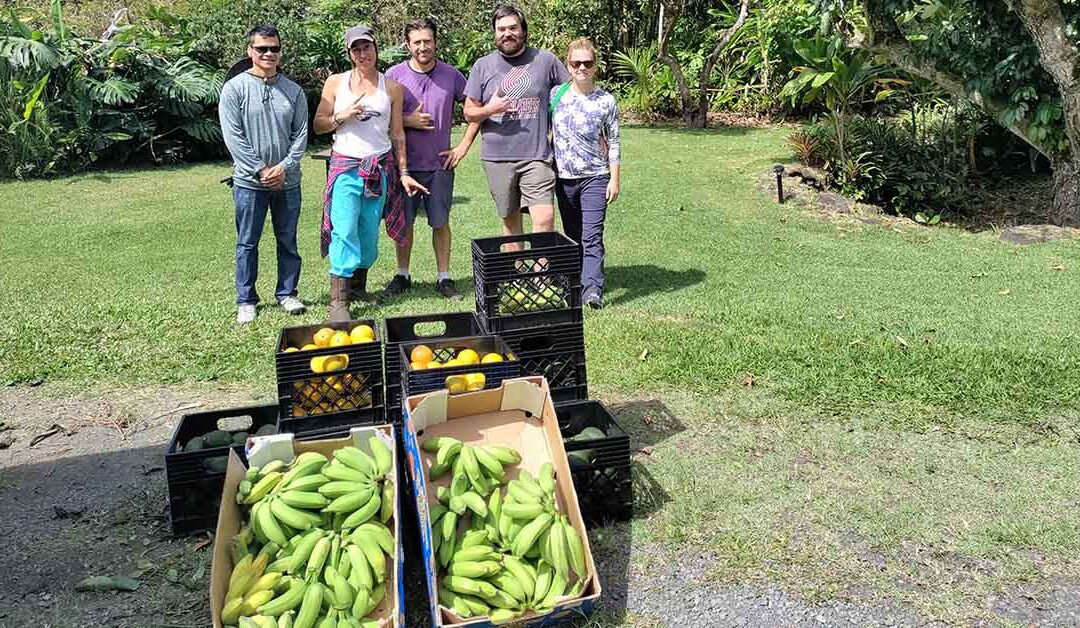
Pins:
x: 264, y: 119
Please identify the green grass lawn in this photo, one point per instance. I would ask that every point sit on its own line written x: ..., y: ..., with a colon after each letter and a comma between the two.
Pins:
x: 914, y: 391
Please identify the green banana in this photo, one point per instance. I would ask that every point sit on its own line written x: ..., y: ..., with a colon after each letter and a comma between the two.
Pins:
x: 472, y: 467
x: 494, y: 507
x: 358, y: 460
x: 437, y: 470
x: 317, y: 559
x: 554, y: 592
x: 476, y: 605
x: 506, y: 581
x: 269, y: 524
x: 343, y: 473
x: 518, y: 491
x: 436, y: 443
x: 241, y: 570
x: 271, y: 467
x: 286, y: 620
x: 455, y: 601
x: 447, y: 547
x: 459, y: 484
x: 286, y: 601
x: 575, y: 548
x: 502, y: 616
x: 310, y: 607
x: 304, y: 499
x: 334, y: 489
x: 502, y: 599
x: 374, y: 555
x: 558, y: 551
x: 376, y: 598
x: 384, y: 458
x: 380, y: 533
x: 474, y: 569
x: 505, y: 455
x: 294, y: 517
x: 461, y: 584
x: 530, y: 533
x: 475, y: 553
x: 343, y: 591
x: 436, y: 512
x: 447, y: 453
x: 387, y: 509
x: 547, y: 478
x: 363, y: 513
x: 360, y: 576
x: 254, y: 601
x: 544, y: 573
x: 263, y: 487
x: 490, y: 464
x: 527, y: 581
x: 449, y: 525
x: 475, y: 537
x: 523, y: 512
x: 351, y: 501
x: 303, y: 550
x: 361, y: 601
x: 475, y: 503
x: 231, y: 611
x: 306, y: 483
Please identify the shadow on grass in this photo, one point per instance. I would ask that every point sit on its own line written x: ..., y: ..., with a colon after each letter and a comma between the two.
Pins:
x: 648, y: 421
x: 626, y: 283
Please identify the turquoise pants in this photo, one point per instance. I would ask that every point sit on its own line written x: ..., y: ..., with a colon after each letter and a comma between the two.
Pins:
x: 354, y: 240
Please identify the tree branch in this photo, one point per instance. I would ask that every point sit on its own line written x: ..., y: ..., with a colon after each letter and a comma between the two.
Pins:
x: 714, y: 57
x: 883, y: 36
x: 673, y: 11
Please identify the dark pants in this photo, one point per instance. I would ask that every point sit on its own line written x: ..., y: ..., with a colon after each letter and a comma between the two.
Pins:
x: 582, y: 206
x: 251, y: 206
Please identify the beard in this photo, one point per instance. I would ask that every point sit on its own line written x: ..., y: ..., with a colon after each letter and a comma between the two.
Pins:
x: 511, y: 47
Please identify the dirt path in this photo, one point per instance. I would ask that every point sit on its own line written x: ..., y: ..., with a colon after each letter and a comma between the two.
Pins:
x: 90, y: 499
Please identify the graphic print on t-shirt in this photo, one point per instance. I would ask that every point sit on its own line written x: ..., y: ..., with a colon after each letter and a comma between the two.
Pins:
x: 513, y: 86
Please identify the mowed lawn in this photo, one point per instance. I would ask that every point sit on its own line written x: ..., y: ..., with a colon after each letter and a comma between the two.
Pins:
x: 838, y: 408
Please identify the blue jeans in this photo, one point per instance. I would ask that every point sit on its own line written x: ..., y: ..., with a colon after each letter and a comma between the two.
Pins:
x: 251, y: 206
x: 582, y: 207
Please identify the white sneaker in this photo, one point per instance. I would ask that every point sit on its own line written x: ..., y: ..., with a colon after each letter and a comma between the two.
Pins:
x: 292, y: 305
x: 245, y: 314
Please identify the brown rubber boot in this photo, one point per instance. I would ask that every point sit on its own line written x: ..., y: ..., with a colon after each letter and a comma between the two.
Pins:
x: 339, y: 299
x: 358, y: 287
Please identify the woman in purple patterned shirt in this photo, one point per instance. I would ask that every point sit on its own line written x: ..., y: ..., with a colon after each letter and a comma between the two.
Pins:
x: 585, y: 133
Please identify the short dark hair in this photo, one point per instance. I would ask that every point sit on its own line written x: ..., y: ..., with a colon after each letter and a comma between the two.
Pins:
x: 505, y: 10
x: 264, y: 30
x: 425, y: 23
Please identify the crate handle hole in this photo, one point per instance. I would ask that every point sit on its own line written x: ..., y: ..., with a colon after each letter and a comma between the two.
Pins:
x: 241, y: 423
x: 429, y: 329
x: 514, y: 247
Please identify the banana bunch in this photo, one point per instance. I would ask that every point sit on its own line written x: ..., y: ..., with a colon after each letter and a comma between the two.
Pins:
x: 517, y: 552
x: 476, y: 469
x: 326, y: 551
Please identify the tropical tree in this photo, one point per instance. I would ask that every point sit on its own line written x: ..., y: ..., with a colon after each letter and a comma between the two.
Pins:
x: 1017, y: 60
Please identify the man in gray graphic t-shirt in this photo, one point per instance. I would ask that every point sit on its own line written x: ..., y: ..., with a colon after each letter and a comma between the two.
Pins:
x: 507, y: 93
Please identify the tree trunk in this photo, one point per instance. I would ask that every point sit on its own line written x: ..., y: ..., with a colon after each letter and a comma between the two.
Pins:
x: 1066, y: 209
x: 685, y: 98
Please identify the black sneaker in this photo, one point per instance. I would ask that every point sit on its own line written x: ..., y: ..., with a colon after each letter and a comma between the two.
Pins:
x: 446, y: 288
x: 594, y: 301
x: 398, y: 285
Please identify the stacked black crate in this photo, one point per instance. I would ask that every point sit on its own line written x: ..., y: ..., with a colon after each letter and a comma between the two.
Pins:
x: 528, y: 291
x: 327, y: 390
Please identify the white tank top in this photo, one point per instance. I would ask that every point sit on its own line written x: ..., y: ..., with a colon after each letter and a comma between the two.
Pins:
x: 359, y: 138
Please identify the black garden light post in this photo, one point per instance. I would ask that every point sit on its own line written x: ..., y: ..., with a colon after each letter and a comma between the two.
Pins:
x: 779, y: 170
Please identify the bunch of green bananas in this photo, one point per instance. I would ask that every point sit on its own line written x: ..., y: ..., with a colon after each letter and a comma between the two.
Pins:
x: 516, y: 553
x: 330, y: 568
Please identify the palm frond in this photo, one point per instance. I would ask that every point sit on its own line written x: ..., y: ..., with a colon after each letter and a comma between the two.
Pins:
x: 21, y: 52
x: 185, y: 79
x: 203, y: 129
x: 113, y: 90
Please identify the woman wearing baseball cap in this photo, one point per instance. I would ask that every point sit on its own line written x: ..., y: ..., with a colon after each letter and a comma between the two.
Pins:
x: 368, y: 169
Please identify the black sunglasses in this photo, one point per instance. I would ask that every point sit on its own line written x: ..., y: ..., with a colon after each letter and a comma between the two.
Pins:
x: 582, y: 64
x: 265, y: 49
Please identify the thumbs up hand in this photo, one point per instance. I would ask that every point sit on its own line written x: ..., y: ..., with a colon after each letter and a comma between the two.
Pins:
x: 418, y: 119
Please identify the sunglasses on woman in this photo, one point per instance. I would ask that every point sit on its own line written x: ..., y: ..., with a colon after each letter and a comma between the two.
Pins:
x: 582, y: 64
x: 265, y: 49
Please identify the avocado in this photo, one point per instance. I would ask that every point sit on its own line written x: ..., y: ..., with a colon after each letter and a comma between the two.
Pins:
x: 589, y: 433
x: 217, y: 438
x: 579, y: 459
x: 195, y: 444
x: 266, y: 430
x: 238, y: 438
x: 217, y: 464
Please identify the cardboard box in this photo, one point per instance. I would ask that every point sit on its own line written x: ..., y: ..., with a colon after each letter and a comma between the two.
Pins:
x: 262, y: 450
x: 520, y: 414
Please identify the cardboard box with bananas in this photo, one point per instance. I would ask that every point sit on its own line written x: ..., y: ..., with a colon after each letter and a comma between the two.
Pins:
x: 500, y: 528
x: 309, y: 535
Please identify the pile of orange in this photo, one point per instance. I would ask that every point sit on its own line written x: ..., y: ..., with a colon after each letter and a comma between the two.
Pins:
x: 422, y: 358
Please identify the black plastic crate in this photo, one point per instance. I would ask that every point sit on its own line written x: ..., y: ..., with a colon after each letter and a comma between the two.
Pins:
x: 605, y: 492
x: 333, y: 425
x: 538, y: 285
x: 193, y: 505
x: 422, y: 328
x: 303, y: 392
x: 195, y: 478
x: 575, y: 416
x: 182, y: 466
x: 415, y: 382
x: 555, y: 352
